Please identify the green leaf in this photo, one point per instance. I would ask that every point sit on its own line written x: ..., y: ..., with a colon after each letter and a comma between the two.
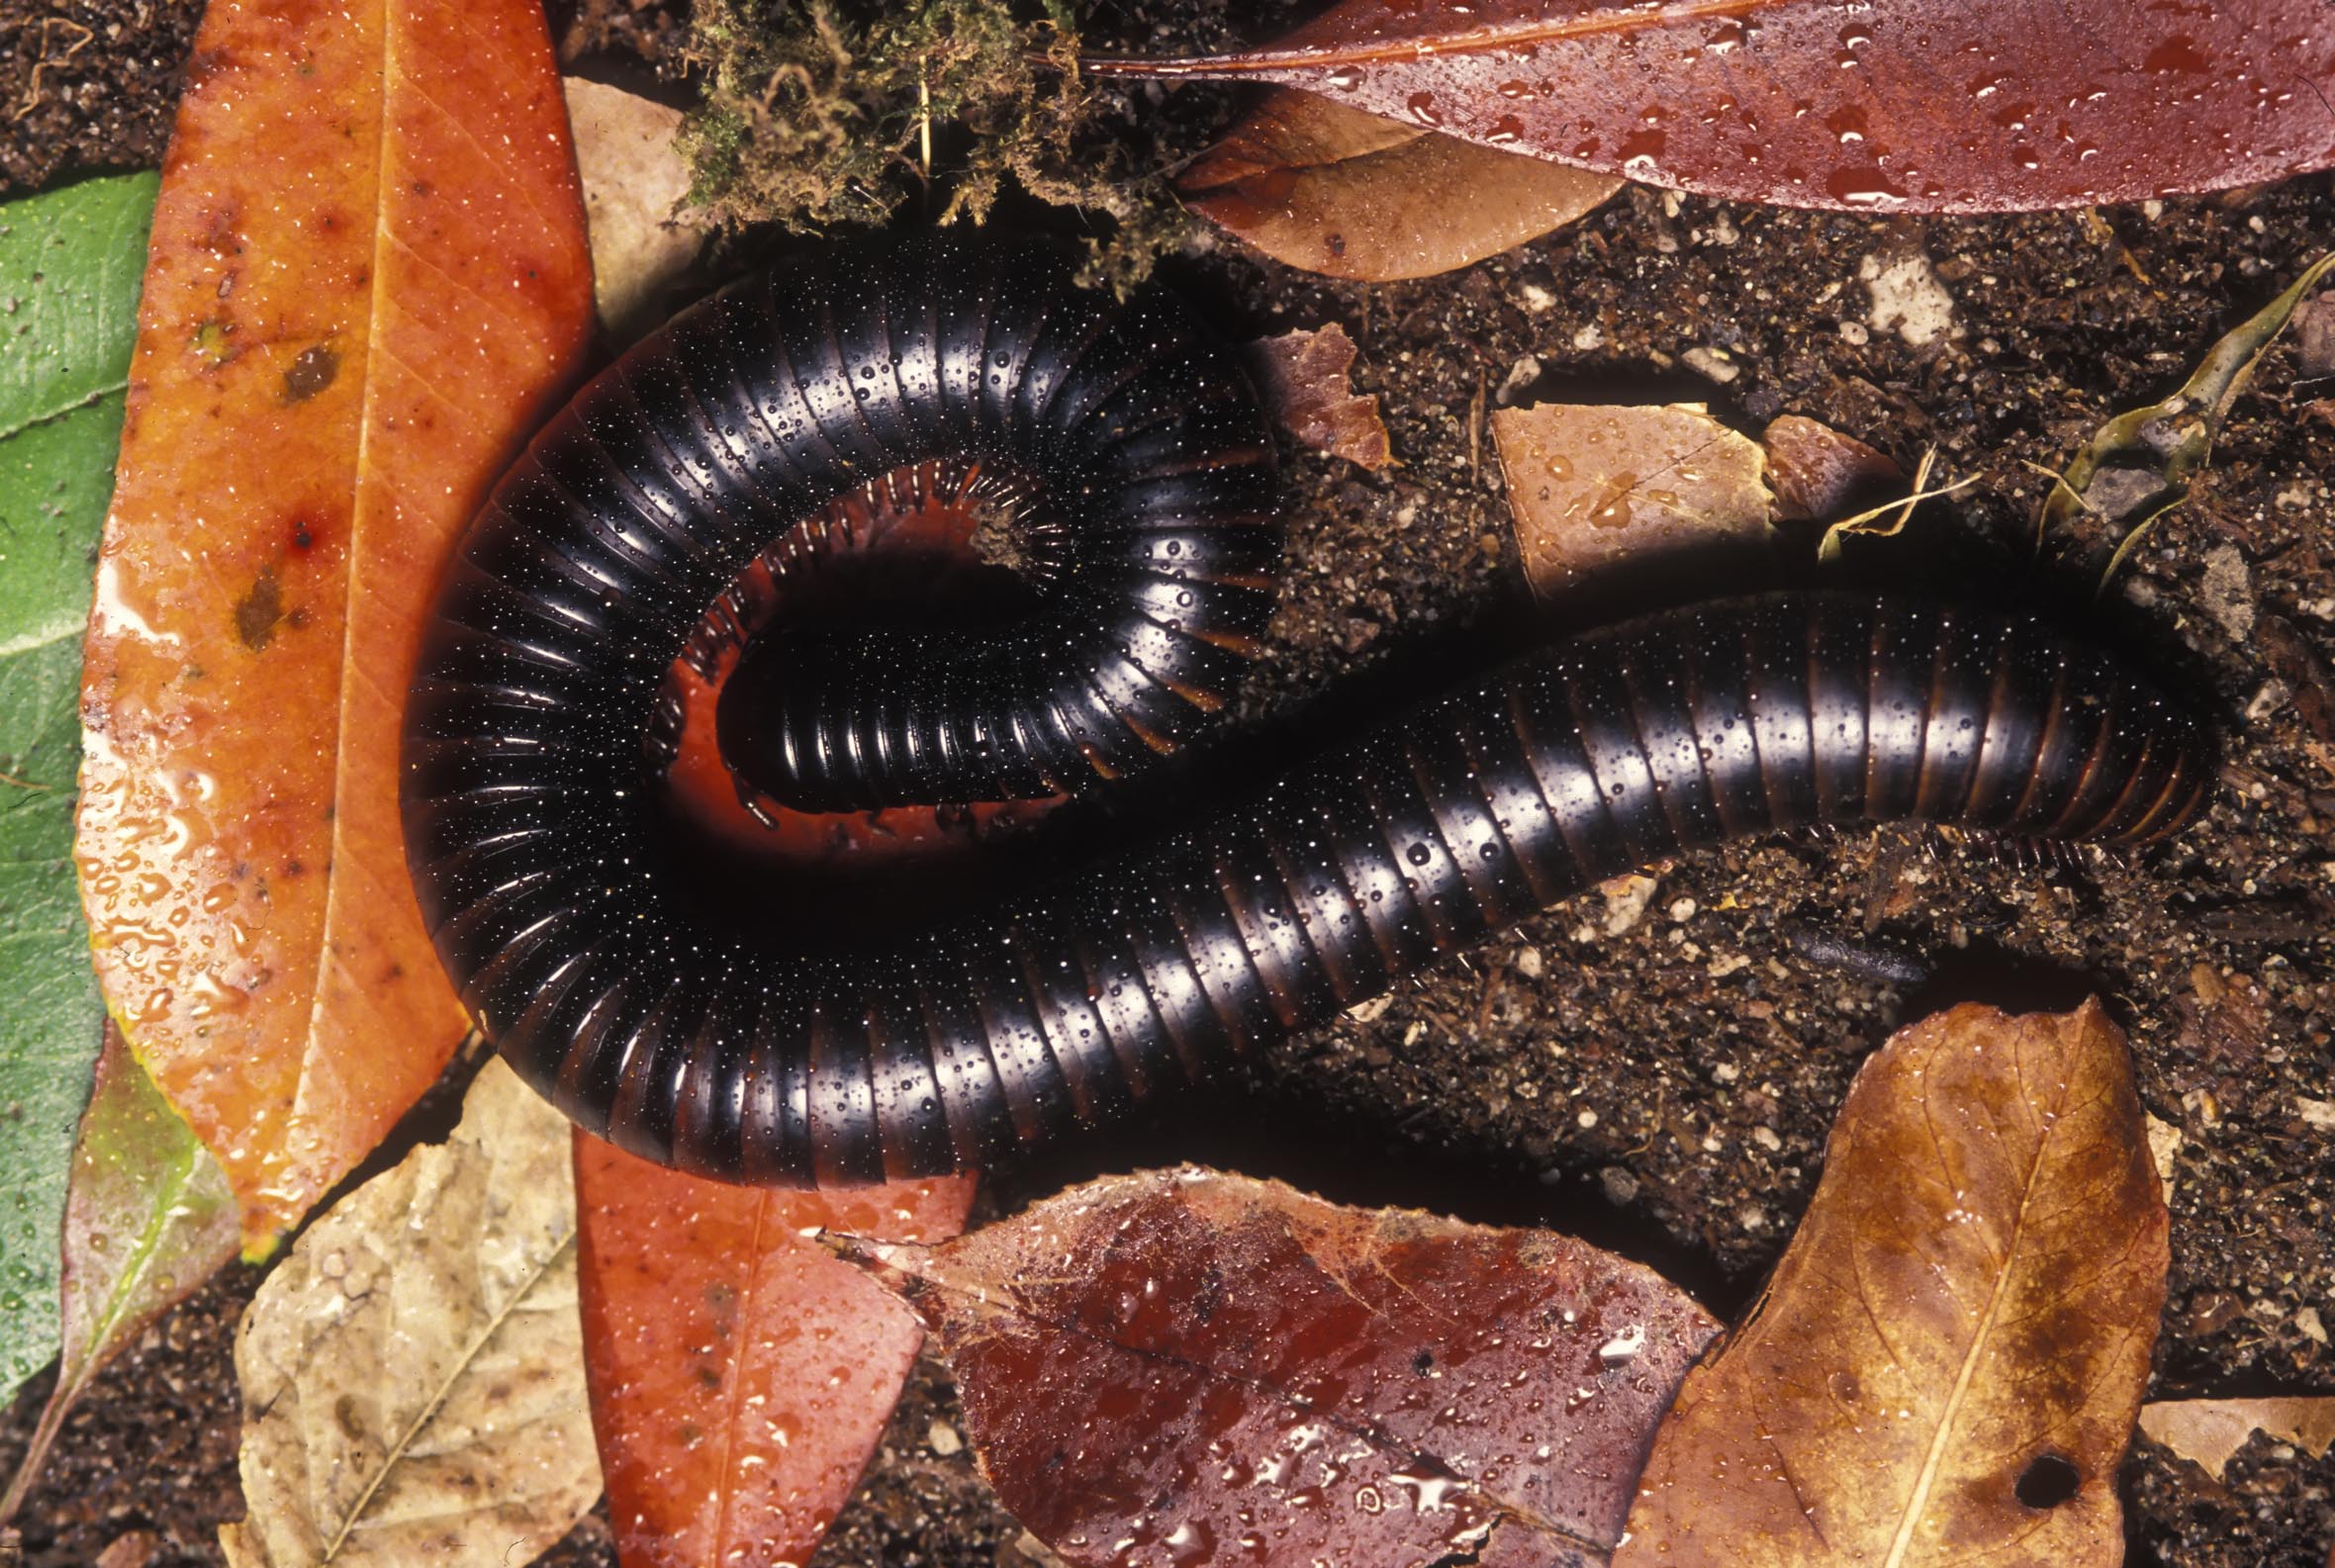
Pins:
x: 70, y: 262
x: 149, y: 1217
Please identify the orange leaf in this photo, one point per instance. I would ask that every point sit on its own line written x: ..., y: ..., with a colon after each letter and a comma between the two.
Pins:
x: 740, y: 1375
x: 367, y: 278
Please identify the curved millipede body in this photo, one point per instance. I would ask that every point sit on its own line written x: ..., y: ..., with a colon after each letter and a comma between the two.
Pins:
x: 529, y: 796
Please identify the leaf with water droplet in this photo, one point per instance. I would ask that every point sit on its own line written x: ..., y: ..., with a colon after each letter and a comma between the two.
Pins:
x: 1182, y: 1367
x: 1333, y: 190
x: 1947, y: 1362
x: 149, y: 1218
x: 1603, y: 493
x: 740, y: 1375
x: 70, y: 266
x: 1916, y: 106
x: 367, y: 277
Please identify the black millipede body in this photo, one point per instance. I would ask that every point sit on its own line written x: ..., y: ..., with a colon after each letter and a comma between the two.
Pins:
x: 528, y: 794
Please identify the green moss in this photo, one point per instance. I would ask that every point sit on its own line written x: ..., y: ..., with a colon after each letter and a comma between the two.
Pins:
x: 824, y: 112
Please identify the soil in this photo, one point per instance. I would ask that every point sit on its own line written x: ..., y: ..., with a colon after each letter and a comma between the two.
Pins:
x: 1661, y: 1082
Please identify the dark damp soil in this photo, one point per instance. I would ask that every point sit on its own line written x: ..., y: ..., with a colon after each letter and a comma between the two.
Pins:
x: 1652, y: 1067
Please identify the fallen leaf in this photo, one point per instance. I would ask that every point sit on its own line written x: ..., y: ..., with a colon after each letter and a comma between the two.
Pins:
x: 1817, y: 472
x: 1598, y: 490
x: 1181, y: 1367
x: 1946, y: 1366
x: 2140, y: 463
x: 149, y: 1218
x: 367, y: 276
x: 2210, y: 1431
x: 741, y: 1375
x: 634, y: 178
x: 69, y: 286
x: 1304, y: 376
x: 2165, y: 1141
x: 1926, y: 106
x: 2314, y: 332
x: 412, y: 1371
x: 1351, y: 195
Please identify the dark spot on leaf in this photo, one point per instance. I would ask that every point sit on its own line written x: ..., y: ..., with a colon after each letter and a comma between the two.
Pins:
x: 293, y: 868
x: 257, y: 613
x: 304, y: 538
x: 1423, y: 1363
x: 310, y: 373
x: 1337, y: 243
x: 2048, y: 1481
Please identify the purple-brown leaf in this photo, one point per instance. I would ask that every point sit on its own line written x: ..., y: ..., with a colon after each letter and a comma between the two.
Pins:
x: 1179, y: 1367
x: 1304, y: 376
x: 1920, y: 105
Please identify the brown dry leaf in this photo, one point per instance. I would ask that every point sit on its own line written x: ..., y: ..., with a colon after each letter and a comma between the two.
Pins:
x: 413, y: 1372
x: 2208, y: 1432
x: 1597, y: 490
x: 1181, y: 1367
x: 1819, y: 471
x: 1946, y: 1366
x: 1304, y: 376
x: 635, y: 179
x: 1350, y: 195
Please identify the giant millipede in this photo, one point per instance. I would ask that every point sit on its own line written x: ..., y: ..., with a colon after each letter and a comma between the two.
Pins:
x: 527, y: 788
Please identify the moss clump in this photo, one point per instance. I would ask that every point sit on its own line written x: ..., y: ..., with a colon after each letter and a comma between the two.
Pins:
x: 820, y: 112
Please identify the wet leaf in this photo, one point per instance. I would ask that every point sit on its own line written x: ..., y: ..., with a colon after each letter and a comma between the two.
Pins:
x: 149, y: 1218
x: 2141, y: 462
x: 367, y: 277
x: 1351, y: 195
x: 2210, y: 1431
x: 69, y: 263
x: 1946, y: 1366
x: 635, y: 179
x: 1929, y: 105
x: 741, y: 1375
x: 1819, y: 471
x: 1599, y: 492
x: 1304, y: 376
x: 412, y: 1371
x: 1183, y: 1367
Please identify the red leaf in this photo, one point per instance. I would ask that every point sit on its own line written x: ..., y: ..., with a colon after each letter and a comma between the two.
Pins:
x: 367, y: 275
x: 1922, y: 104
x: 1183, y: 1367
x: 740, y: 1376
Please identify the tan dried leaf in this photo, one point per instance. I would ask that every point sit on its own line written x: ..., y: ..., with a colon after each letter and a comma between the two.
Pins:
x: 2208, y: 1432
x: 412, y: 1373
x: 634, y: 178
x: 1348, y: 195
x: 1594, y: 489
x: 1946, y: 1366
x: 1305, y: 378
